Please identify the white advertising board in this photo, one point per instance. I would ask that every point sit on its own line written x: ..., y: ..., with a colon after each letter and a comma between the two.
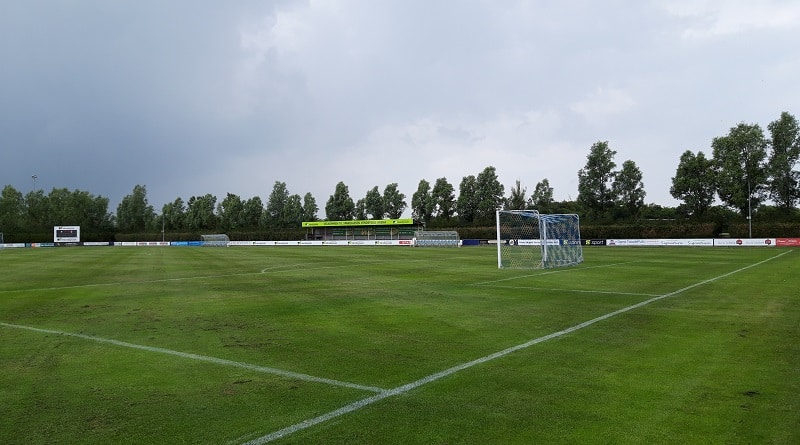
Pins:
x: 664, y: 242
x: 744, y: 242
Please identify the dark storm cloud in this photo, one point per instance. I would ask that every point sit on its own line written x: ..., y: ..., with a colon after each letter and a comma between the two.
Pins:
x: 190, y: 98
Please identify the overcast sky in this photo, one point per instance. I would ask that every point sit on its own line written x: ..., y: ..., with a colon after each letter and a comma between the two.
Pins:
x: 196, y: 97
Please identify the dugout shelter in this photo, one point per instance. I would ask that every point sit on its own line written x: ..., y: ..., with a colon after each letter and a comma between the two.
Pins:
x: 367, y: 229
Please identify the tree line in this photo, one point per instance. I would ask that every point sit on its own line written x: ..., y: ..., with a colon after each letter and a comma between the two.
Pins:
x: 746, y: 170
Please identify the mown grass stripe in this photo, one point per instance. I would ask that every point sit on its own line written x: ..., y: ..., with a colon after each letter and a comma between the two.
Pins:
x: 203, y: 358
x: 450, y: 371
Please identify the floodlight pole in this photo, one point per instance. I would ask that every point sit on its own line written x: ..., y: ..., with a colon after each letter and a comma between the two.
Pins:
x: 749, y: 210
x: 34, y: 181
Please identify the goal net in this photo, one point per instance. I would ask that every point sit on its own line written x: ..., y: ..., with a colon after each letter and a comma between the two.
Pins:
x: 215, y: 240
x: 438, y: 238
x: 527, y: 239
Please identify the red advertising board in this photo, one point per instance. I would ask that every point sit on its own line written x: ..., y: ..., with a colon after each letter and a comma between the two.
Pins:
x: 787, y: 242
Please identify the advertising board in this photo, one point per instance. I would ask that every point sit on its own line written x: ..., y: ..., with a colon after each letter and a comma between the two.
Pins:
x: 744, y: 242
x: 66, y: 234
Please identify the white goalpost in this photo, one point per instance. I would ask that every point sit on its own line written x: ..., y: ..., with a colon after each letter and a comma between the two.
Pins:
x: 527, y: 239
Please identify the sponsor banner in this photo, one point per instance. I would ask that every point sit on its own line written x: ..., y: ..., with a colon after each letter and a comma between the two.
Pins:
x: 633, y: 242
x: 593, y: 242
x: 746, y: 242
x: 523, y: 242
x: 62, y: 244
x: 43, y: 244
x: 12, y: 245
x: 663, y: 242
x: 251, y: 243
x: 96, y: 243
x: 143, y: 243
x: 323, y: 243
x: 687, y: 242
x: 361, y: 243
x: 358, y: 222
x: 787, y: 242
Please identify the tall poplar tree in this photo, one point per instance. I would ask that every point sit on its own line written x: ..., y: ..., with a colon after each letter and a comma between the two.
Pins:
x: 784, y: 180
x: 595, y: 180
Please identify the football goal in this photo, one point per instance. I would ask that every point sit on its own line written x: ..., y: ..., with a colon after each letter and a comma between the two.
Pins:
x: 527, y: 239
x: 215, y: 240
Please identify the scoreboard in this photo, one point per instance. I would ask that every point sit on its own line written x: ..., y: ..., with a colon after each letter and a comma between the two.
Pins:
x: 66, y: 234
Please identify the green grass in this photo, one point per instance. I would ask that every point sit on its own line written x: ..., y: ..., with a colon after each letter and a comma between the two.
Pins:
x: 716, y: 362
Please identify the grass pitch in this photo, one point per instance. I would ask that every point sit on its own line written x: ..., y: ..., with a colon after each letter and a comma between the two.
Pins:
x: 365, y: 345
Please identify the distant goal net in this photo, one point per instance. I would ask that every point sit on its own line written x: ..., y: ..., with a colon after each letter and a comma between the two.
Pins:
x: 527, y: 239
x: 215, y: 240
x: 436, y: 238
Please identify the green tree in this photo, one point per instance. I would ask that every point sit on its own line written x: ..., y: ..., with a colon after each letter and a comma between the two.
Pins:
x: 276, y: 206
x: 12, y: 209
x: 422, y: 202
x: 739, y: 160
x: 394, y: 202
x: 517, y: 199
x: 91, y: 211
x: 253, y: 213
x: 37, y: 206
x: 293, y: 213
x: 373, y: 204
x: 784, y: 180
x: 628, y: 189
x: 310, y: 208
x: 133, y: 212
x: 595, y: 180
x: 200, y: 213
x: 361, y: 209
x: 694, y: 183
x: 542, y: 197
x: 340, y: 206
x: 174, y: 214
x: 467, y: 204
x: 443, y: 199
x: 230, y: 212
x: 490, y: 195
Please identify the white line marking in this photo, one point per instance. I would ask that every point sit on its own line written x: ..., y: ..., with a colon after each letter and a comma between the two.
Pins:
x: 447, y: 372
x: 549, y: 272
x: 577, y: 291
x: 203, y: 358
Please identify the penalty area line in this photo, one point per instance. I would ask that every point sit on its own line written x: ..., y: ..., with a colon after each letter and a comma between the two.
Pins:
x: 202, y: 358
x: 447, y: 372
